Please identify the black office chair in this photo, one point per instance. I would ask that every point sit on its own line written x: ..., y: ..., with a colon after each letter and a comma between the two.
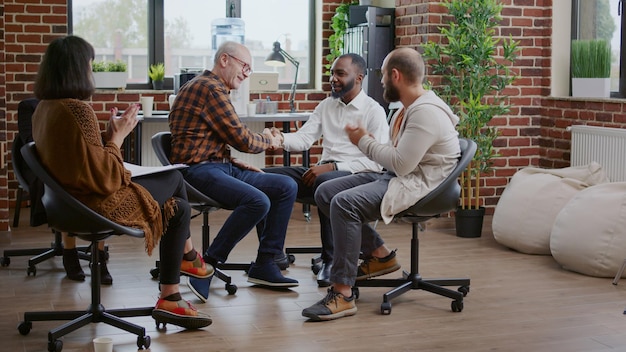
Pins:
x: 161, y: 143
x: 39, y: 254
x: 22, y: 184
x: 441, y: 200
x: 66, y: 214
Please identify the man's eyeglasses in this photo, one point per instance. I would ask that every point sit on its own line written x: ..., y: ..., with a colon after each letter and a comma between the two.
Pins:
x: 245, y: 69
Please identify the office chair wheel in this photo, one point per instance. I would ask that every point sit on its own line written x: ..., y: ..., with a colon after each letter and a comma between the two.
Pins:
x: 385, y: 308
x: 155, y: 273
x: 464, y: 290
x: 315, y: 268
x: 143, y: 342
x: 457, y: 306
x: 5, y: 261
x: 355, y: 292
x: 55, y: 346
x: 24, y: 327
x: 292, y: 258
x: 307, y: 217
x: 231, y: 289
x: 31, y: 270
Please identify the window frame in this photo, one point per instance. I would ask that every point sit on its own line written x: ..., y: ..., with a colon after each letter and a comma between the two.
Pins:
x: 156, y: 40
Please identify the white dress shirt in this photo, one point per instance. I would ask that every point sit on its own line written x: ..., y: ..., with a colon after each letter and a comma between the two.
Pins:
x: 329, y: 119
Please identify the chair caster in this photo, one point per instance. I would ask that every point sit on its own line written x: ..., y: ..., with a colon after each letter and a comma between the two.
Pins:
x: 25, y: 327
x: 385, y: 308
x: 5, y: 261
x: 55, y: 346
x: 143, y: 342
x: 464, y: 290
x: 155, y: 273
x: 292, y: 258
x: 231, y: 289
x: 457, y: 306
x: 355, y: 292
x: 31, y: 270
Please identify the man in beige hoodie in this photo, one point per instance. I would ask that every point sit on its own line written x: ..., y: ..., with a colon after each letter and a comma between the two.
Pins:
x: 422, y: 150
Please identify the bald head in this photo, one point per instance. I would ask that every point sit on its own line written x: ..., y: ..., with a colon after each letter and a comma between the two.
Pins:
x: 230, y: 48
x: 408, y: 62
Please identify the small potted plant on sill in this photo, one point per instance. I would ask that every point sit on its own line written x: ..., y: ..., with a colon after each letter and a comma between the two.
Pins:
x: 591, y: 68
x: 157, y: 75
x: 109, y: 74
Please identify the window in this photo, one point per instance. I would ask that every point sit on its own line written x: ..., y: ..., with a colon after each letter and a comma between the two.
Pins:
x: 184, y: 34
x: 602, y: 19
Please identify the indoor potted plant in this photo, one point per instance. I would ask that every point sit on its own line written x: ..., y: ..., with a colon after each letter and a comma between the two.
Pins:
x: 339, y: 23
x: 157, y: 75
x: 591, y: 68
x: 474, y: 68
x: 109, y: 74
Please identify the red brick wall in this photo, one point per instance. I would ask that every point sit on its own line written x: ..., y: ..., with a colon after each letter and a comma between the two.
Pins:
x: 533, y: 134
x: 4, y: 199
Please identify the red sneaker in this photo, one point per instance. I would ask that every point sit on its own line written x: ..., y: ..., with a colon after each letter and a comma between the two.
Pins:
x: 180, y: 313
x: 196, y: 268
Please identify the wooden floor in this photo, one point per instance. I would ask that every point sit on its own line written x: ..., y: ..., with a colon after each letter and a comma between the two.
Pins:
x: 517, y: 302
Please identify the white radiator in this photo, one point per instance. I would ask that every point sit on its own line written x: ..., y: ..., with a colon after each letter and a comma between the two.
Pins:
x: 606, y: 146
x: 148, y: 129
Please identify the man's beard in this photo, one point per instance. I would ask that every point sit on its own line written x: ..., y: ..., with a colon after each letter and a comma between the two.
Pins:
x: 344, y: 90
x: 390, y: 92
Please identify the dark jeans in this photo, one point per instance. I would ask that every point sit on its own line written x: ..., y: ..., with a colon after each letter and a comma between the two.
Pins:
x: 304, y: 191
x: 257, y: 199
x: 162, y: 186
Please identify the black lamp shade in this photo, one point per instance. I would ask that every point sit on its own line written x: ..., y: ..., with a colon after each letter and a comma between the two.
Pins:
x: 275, y: 58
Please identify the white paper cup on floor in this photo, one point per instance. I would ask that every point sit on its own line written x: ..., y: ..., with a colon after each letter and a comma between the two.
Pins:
x: 251, y: 109
x: 146, y: 105
x: 103, y: 344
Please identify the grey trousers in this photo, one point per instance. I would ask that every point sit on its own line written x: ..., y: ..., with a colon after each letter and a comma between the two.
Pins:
x: 352, y: 202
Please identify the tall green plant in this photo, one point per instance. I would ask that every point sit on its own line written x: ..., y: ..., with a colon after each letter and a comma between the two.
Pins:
x: 475, y: 67
x: 339, y: 24
x: 591, y: 58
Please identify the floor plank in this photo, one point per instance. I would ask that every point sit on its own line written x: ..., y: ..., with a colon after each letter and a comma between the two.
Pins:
x: 517, y: 302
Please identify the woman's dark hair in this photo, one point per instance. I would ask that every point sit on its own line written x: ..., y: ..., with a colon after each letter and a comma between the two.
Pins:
x: 65, y: 71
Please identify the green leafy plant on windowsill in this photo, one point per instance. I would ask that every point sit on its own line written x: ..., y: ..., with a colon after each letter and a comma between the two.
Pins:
x: 157, y: 75
x: 109, y: 74
x: 109, y: 66
x: 157, y: 72
x: 591, y: 58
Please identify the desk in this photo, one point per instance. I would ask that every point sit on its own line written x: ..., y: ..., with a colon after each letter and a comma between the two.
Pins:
x: 138, y: 149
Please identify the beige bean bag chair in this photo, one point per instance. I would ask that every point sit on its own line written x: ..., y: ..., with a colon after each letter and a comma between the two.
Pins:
x: 589, y: 234
x: 529, y: 205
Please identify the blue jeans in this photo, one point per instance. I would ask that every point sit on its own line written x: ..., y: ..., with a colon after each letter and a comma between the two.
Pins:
x: 256, y: 199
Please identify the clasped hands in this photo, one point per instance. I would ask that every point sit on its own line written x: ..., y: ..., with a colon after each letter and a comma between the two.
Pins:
x: 275, y: 136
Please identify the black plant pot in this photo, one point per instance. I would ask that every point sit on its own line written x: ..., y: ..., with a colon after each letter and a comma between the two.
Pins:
x: 469, y: 222
x: 157, y: 85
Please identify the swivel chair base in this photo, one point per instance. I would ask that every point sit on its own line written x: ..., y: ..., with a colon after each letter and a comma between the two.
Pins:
x: 42, y: 254
x: 95, y: 313
x: 414, y: 281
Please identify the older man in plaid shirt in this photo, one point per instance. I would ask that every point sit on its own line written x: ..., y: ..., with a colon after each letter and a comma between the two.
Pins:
x: 204, y: 124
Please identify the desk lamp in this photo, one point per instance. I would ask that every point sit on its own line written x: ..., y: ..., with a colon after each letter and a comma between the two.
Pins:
x: 277, y: 59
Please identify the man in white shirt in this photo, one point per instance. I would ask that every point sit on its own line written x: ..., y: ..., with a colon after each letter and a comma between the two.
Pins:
x: 348, y: 104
